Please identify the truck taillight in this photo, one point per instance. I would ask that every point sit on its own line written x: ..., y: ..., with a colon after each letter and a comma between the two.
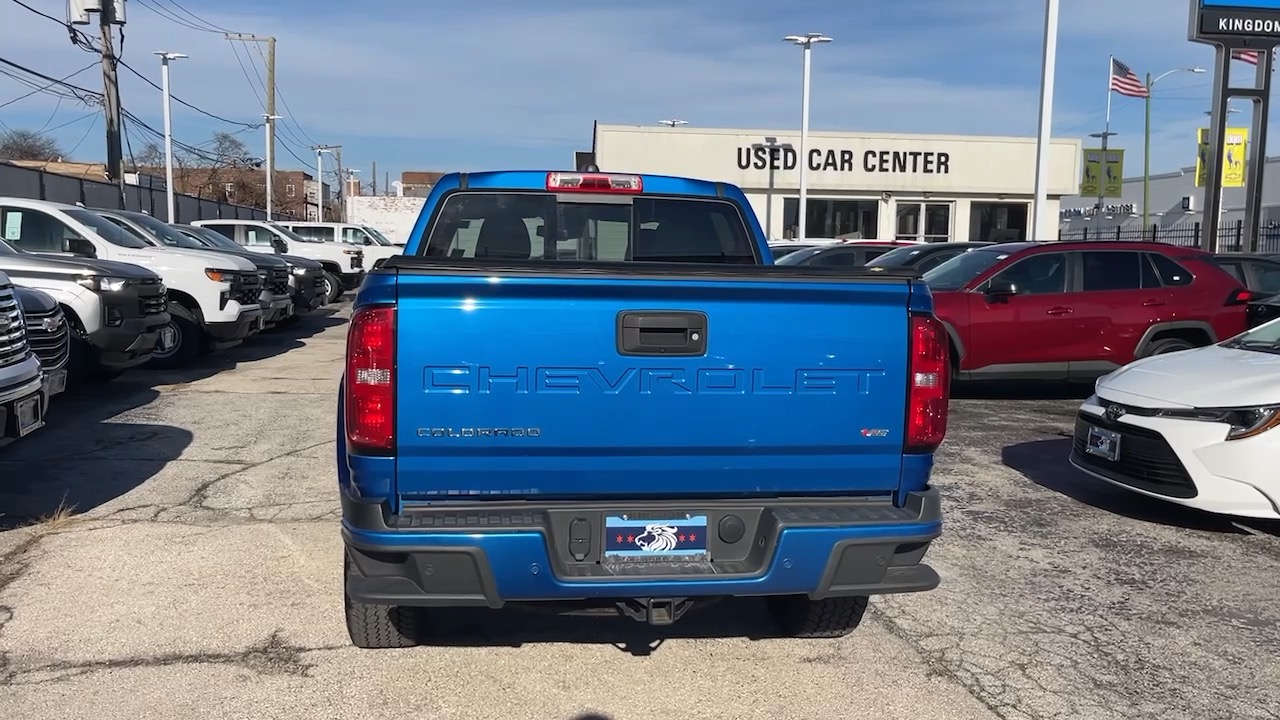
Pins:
x: 928, y: 385
x: 594, y: 182
x: 371, y: 380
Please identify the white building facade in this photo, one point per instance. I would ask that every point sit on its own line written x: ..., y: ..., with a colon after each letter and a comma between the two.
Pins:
x: 860, y: 185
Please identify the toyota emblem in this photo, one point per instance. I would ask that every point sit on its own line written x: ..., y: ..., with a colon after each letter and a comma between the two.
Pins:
x: 1114, y: 412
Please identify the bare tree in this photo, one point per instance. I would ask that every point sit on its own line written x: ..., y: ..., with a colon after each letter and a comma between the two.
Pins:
x: 29, y: 145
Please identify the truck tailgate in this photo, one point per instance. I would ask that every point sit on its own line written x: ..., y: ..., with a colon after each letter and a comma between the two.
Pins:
x: 515, y: 385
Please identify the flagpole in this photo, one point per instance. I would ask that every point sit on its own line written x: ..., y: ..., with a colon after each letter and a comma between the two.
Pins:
x: 1106, y: 134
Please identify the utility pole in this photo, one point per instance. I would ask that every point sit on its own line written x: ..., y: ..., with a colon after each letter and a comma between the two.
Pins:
x: 373, y: 180
x: 271, y: 91
x: 320, y: 150
x: 342, y: 190
x: 110, y: 12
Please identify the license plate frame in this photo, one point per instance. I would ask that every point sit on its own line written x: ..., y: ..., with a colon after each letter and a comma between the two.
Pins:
x: 27, y: 415
x: 648, y: 538
x: 57, y: 382
x: 1102, y: 443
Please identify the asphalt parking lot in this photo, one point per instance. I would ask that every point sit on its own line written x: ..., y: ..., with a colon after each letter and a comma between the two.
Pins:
x: 201, y: 578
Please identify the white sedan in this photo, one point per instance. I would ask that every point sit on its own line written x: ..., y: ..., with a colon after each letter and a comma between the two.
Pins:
x: 1197, y: 427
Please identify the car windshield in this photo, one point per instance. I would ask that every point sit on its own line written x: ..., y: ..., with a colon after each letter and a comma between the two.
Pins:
x: 1264, y: 338
x: 291, y: 235
x: 106, y: 229
x: 377, y: 236
x: 896, y: 257
x: 798, y: 257
x: 212, y: 238
x: 165, y: 233
x: 955, y: 273
x: 781, y: 251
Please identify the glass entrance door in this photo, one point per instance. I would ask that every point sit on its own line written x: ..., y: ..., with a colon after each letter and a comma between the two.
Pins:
x: 930, y: 222
x: 998, y: 222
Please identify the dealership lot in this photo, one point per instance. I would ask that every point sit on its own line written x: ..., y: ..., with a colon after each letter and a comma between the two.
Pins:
x: 203, y: 579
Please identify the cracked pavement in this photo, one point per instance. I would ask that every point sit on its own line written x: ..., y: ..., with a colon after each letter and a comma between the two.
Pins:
x: 200, y: 577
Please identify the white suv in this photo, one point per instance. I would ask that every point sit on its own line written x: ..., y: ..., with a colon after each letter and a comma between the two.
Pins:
x: 212, y: 298
x: 343, y: 264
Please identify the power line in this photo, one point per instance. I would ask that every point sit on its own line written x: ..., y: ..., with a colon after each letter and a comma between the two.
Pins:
x: 78, y: 37
x: 50, y: 85
x: 197, y: 18
x: 180, y: 101
x: 171, y: 17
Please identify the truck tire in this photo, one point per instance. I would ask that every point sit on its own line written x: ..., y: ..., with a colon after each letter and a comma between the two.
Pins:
x: 332, y: 287
x: 379, y: 627
x: 188, y: 340
x: 1167, y: 345
x: 798, y: 616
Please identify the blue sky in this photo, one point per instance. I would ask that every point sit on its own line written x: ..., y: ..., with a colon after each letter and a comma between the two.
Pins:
x: 436, y: 85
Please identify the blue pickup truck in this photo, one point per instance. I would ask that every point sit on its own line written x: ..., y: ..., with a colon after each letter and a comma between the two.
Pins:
x: 590, y: 391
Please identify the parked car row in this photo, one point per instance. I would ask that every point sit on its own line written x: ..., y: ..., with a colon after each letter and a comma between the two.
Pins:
x: 87, y: 293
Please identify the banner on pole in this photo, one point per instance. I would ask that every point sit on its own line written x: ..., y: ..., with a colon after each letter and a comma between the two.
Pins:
x: 1233, y: 157
x: 1105, y: 174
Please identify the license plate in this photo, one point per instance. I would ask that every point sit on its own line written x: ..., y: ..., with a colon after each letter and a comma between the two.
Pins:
x: 1103, y: 443
x: 168, y: 337
x: 57, y: 382
x: 27, y: 413
x: 681, y: 538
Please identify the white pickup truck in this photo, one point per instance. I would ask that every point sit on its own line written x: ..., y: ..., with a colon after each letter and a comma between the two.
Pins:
x: 23, y: 396
x: 343, y: 264
x: 212, y: 298
x: 376, y: 246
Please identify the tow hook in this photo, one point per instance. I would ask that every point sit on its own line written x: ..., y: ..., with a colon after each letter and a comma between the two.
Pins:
x: 655, y: 611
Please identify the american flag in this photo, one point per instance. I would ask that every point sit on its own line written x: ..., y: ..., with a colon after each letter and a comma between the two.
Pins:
x: 1125, y: 81
x: 1246, y: 56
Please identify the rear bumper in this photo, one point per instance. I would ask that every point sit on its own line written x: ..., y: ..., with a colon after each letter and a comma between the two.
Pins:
x: 488, y: 555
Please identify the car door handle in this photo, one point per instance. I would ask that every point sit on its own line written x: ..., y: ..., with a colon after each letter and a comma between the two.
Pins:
x: 1153, y: 303
x: 1058, y: 311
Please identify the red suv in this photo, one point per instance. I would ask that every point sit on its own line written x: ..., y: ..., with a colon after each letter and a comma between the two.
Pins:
x: 1078, y: 310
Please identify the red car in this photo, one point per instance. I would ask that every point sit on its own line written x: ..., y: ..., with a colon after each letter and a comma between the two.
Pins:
x: 1078, y: 310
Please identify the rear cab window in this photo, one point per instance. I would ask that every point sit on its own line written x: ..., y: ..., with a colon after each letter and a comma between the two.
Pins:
x: 542, y: 226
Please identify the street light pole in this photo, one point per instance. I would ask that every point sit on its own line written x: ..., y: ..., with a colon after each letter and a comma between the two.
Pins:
x: 806, y: 42
x: 269, y: 126
x: 170, y: 200
x: 1146, y: 144
x: 320, y: 151
x: 1042, y: 223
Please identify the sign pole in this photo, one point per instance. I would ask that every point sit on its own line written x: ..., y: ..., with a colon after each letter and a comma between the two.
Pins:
x: 1232, y: 26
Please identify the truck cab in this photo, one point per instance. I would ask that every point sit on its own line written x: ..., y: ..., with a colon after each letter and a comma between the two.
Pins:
x: 343, y: 264
x: 273, y: 273
x: 582, y: 391
x: 23, y: 396
x: 116, y: 312
x: 375, y: 246
x: 212, y: 299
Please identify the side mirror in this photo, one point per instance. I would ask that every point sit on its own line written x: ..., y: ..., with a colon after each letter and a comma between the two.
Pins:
x: 281, y: 246
x: 1001, y: 288
x: 79, y: 246
x: 367, y: 241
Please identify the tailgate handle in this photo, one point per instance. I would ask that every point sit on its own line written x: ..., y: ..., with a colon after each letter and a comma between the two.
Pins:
x: 659, y: 332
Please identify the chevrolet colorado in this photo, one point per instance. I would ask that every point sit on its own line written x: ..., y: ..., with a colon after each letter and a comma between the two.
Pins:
x: 586, y: 391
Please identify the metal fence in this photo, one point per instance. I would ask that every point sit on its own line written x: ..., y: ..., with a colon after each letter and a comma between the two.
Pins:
x: 37, y: 184
x: 1230, y: 239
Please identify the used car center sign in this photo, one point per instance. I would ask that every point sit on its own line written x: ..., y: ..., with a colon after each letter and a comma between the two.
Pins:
x: 1241, y: 18
x: 760, y: 157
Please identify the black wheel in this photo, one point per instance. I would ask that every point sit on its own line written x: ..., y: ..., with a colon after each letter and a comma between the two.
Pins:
x: 798, y: 616
x: 379, y: 627
x: 188, y: 340
x: 1167, y: 345
x: 332, y: 287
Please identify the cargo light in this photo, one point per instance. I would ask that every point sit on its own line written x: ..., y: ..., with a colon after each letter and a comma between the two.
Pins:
x: 370, y: 381
x: 594, y: 182
x: 929, y: 385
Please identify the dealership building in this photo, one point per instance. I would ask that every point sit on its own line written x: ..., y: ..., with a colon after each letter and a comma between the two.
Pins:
x: 860, y: 185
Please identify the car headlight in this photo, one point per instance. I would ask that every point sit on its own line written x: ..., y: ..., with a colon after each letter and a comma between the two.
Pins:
x: 216, y: 275
x: 103, y: 283
x: 298, y: 270
x: 1243, y: 422
x: 352, y: 252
